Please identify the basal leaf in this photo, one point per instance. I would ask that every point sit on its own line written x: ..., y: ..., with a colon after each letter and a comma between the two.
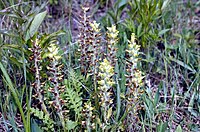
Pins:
x: 35, y: 24
x: 163, y: 31
x: 179, y: 129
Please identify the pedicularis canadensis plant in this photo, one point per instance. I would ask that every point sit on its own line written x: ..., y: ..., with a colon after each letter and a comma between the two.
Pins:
x: 56, y: 87
x: 84, y: 40
x: 106, y: 83
x: 37, y: 85
x: 89, y: 40
x: 134, y: 83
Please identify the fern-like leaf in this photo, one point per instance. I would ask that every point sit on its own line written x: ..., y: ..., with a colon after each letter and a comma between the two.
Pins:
x: 47, y: 121
x: 73, y: 92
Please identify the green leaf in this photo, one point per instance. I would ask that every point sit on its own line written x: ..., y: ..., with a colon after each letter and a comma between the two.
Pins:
x: 178, y: 129
x: 71, y: 124
x: 35, y: 127
x: 139, y: 29
x: 171, y: 46
x: 15, y: 61
x: 11, y: 46
x: 177, y: 35
x: 191, y: 103
x: 35, y: 24
x: 157, y: 96
x: 73, y: 92
x: 163, y: 32
x: 45, y: 39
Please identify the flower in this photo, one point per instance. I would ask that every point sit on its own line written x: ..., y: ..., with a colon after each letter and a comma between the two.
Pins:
x: 138, y: 78
x: 113, y: 30
x: 133, y: 48
x: 88, y: 106
x: 105, y: 83
x: 106, y: 67
x: 85, y: 8
x: 54, y: 50
x: 112, y: 34
x: 95, y: 26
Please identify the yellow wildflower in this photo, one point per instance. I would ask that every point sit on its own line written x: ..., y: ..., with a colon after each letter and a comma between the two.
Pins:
x: 106, y: 67
x: 54, y: 49
x: 112, y: 34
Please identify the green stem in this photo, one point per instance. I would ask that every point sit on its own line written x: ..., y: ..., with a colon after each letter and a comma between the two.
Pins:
x: 28, y: 100
x: 118, y: 100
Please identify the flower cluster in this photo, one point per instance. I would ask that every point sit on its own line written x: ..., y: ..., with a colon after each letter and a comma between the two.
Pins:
x: 134, y: 75
x: 105, y: 84
x: 95, y: 46
x: 134, y: 81
x: 89, y: 41
x: 88, y: 115
x: 133, y: 51
x: 56, y: 87
x: 112, y: 40
x: 38, y: 84
x: 84, y: 40
x: 112, y: 35
x: 95, y: 26
x: 54, y: 49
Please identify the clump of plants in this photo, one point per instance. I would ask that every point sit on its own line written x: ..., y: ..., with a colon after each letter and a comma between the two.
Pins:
x: 60, y: 93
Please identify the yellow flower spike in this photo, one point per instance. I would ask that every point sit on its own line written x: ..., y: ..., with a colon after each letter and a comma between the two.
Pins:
x: 95, y: 26
x: 106, y: 82
x: 112, y: 40
x: 133, y: 43
x: 134, y: 79
x: 133, y: 50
